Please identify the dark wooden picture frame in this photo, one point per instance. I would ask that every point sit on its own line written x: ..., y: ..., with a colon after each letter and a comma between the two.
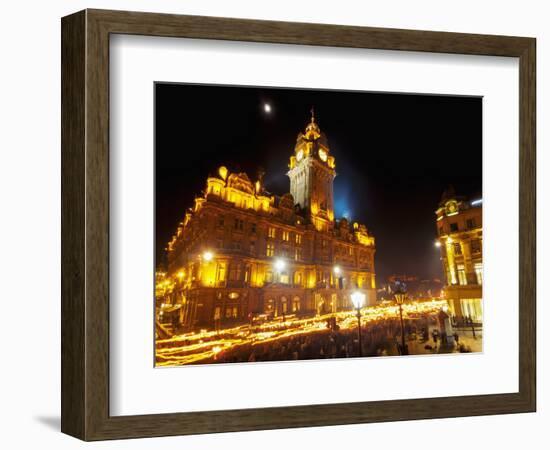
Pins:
x: 85, y: 224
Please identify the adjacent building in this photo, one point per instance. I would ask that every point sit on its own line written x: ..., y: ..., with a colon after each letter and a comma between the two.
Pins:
x: 459, y: 227
x: 242, y: 252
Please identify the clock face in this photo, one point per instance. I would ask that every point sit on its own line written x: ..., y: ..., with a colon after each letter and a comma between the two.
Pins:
x: 452, y: 207
x: 300, y: 155
x: 322, y: 154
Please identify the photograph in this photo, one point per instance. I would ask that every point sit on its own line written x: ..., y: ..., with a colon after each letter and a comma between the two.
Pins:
x: 300, y: 224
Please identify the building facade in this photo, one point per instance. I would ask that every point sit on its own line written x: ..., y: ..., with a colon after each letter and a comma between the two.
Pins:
x: 241, y: 252
x: 460, y: 238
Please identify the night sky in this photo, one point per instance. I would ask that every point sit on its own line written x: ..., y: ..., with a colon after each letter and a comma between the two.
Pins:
x: 395, y: 155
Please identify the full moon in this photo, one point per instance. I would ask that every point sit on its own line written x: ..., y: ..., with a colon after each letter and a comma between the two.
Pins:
x: 267, y: 108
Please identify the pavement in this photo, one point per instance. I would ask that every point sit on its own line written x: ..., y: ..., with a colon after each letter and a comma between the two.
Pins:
x: 466, y: 341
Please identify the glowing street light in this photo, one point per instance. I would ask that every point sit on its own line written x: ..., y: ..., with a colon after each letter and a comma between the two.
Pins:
x: 267, y: 108
x: 280, y: 265
x: 208, y: 256
x: 358, y: 299
x: 337, y: 270
x: 437, y: 244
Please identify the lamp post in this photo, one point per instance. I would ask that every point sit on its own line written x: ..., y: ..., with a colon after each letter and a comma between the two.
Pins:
x: 280, y: 265
x: 358, y: 298
x: 400, y: 298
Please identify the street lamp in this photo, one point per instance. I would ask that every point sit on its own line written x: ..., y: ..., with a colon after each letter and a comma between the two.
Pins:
x: 280, y: 265
x: 337, y: 270
x: 208, y: 256
x: 400, y: 297
x: 358, y: 298
x: 437, y: 244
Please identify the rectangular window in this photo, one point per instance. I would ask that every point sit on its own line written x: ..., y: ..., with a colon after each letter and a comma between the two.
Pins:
x: 461, y: 275
x: 298, y: 278
x: 217, y: 313
x: 252, y: 247
x: 298, y: 238
x: 478, y: 268
x: 253, y: 228
x: 220, y: 276
x: 286, y: 236
x: 235, y: 272
x: 270, y: 250
x: 298, y: 254
x: 475, y: 245
x: 221, y: 221
x: 454, y: 226
x: 457, y: 248
x: 271, y: 232
x: 269, y: 277
x: 284, y: 278
x: 350, y: 251
x: 470, y: 223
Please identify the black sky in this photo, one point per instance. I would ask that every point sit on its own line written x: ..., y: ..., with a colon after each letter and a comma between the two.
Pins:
x: 395, y: 154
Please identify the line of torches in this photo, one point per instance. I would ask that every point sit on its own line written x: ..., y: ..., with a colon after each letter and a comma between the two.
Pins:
x: 192, y: 347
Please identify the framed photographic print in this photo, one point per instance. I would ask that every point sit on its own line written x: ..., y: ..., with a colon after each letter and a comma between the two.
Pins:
x: 270, y: 225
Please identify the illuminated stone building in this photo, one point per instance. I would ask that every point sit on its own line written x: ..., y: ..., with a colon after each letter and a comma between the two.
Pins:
x: 459, y: 226
x: 242, y: 252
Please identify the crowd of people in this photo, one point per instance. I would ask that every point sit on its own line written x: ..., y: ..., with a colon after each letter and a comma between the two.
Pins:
x: 378, y: 338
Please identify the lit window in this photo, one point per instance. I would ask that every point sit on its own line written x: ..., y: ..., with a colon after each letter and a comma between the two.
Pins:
x: 221, y: 272
x: 284, y: 305
x: 457, y: 248
x: 217, y: 313
x: 478, y: 268
x: 286, y: 236
x: 298, y: 254
x: 461, y: 274
x: 270, y: 250
x: 271, y: 233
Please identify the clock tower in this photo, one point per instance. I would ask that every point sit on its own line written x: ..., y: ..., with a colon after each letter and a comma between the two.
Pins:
x: 312, y: 172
